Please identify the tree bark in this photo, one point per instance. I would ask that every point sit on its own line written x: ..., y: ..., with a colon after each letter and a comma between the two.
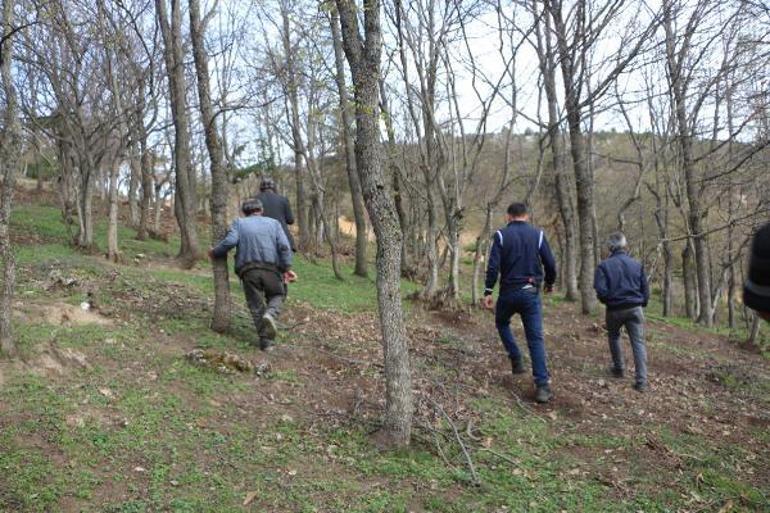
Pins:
x: 356, y: 195
x: 292, y: 87
x: 583, y: 180
x: 185, y: 189
x: 219, y: 184
x: 10, y: 145
x: 113, y: 253
x: 563, y: 192
x: 363, y: 56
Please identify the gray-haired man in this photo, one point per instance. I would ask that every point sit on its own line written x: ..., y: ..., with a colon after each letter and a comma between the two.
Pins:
x: 621, y: 284
x: 263, y: 262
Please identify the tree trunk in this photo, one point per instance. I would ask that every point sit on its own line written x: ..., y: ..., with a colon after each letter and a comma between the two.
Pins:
x: 563, y: 193
x: 112, y: 228
x: 133, y: 186
x: 10, y: 146
x: 185, y: 189
x: 690, y: 285
x: 354, y: 182
x: 583, y: 179
x: 364, y: 58
x: 292, y: 92
x: 147, y: 187
x: 220, y: 321
x: 86, y: 180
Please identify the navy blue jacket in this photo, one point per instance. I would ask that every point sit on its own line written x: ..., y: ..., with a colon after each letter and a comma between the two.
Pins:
x: 620, y: 282
x: 519, y: 253
x: 277, y: 207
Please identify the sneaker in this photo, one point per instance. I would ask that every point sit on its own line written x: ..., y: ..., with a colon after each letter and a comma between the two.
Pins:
x: 266, y: 344
x: 269, y: 328
x: 640, y: 387
x: 543, y: 394
x: 517, y: 366
x: 617, y: 373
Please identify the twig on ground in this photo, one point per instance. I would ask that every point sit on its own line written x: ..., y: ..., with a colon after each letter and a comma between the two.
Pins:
x: 468, y: 460
x: 501, y: 456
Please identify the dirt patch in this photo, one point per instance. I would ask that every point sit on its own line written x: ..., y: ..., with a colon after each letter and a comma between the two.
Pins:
x: 60, y: 314
x: 55, y: 361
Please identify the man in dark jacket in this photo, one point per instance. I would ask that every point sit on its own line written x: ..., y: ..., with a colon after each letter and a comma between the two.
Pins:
x: 756, y: 290
x: 276, y: 207
x: 519, y: 254
x: 621, y: 285
x: 263, y: 262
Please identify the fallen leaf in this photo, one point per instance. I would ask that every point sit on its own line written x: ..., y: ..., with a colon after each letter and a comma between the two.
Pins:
x: 727, y: 507
x: 250, y: 496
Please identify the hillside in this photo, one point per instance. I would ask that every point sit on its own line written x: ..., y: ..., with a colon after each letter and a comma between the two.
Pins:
x: 105, y: 413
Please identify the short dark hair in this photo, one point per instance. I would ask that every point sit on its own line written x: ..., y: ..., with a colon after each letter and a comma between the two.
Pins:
x: 517, y: 209
x: 251, y: 206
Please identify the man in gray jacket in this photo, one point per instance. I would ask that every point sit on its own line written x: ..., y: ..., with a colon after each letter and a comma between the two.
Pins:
x: 263, y: 262
x: 621, y: 285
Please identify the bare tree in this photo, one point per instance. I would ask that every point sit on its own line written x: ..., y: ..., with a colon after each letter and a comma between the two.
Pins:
x: 346, y: 133
x: 185, y: 204
x: 363, y: 52
x: 219, y: 180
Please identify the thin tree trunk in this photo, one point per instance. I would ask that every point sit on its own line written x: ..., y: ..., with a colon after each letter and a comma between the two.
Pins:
x: 292, y: 93
x: 364, y: 58
x: 147, y: 188
x: 10, y: 145
x: 220, y: 321
x: 690, y: 285
x: 113, y: 253
x: 185, y: 190
x: 356, y: 195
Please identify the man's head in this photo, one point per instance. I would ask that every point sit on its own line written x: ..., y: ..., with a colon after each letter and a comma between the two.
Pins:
x: 517, y: 212
x: 616, y: 242
x: 267, y: 184
x: 251, y: 207
x: 756, y: 290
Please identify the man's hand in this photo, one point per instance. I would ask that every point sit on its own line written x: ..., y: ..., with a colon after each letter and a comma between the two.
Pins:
x: 289, y: 277
x: 211, y: 253
x: 488, y: 302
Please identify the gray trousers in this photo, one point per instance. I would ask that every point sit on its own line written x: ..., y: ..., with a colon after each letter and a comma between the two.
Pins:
x: 265, y: 293
x: 633, y: 320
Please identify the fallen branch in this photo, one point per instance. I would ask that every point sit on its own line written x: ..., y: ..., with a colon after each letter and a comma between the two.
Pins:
x: 468, y: 460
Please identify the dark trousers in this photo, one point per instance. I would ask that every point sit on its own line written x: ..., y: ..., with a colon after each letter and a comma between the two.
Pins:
x: 633, y: 320
x: 265, y: 293
x: 527, y: 304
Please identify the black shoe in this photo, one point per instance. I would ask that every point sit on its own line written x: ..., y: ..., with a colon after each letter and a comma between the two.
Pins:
x: 266, y: 344
x: 617, y: 373
x: 640, y: 387
x: 543, y: 394
x: 517, y: 366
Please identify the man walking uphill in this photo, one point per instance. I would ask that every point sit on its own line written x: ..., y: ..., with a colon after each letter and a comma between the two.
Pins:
x: 621, y: 285
x: 263, y: 263
x: 276, y: 207
x: 519, y: 254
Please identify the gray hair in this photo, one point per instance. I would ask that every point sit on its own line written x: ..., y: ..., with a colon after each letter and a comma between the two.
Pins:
x: 616, y: 241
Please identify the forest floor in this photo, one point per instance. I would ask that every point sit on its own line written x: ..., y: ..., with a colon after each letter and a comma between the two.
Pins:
x: 103, y: 411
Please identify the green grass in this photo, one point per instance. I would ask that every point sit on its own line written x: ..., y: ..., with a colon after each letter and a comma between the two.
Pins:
x: 168, y: 436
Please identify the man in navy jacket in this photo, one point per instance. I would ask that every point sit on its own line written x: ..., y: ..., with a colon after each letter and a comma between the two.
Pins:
x: 621, y: 285
x: 519, y: 254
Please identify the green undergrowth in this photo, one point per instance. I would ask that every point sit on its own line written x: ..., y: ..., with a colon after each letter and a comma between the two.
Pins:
x: 138, y: 429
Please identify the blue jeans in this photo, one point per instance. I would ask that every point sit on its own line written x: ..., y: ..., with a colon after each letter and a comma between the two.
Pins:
x: 527, y: 304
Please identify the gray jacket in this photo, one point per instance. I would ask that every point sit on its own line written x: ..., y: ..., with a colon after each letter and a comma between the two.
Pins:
x: 259, y: 240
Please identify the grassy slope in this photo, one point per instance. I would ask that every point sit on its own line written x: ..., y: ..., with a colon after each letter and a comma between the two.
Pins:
x: 139, y: 429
